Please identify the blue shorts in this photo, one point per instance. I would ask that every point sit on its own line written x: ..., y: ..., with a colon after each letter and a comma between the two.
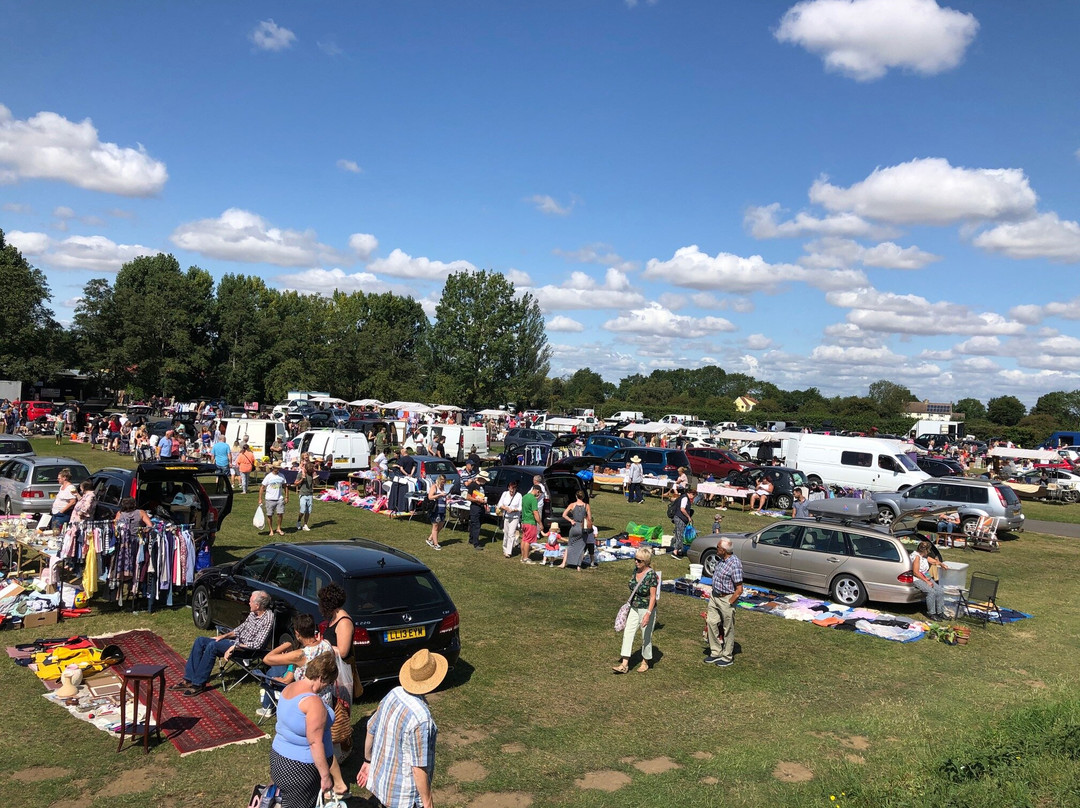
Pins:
x: 305, y: 503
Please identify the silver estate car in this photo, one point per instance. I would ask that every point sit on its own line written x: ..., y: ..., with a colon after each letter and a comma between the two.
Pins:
x: 838, y: 553
x: 29, y: 485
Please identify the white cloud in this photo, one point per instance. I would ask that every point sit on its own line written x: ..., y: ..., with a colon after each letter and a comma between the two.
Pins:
x: 402, y: 265
x: 15, y: 207
x: 1061, y: 345
x: 694, y: 269
x: 547, y: 205
x: 326, y: 281
x: 982, y: 346
x: 862, y: 39
x: 561, y: 323
x: 350, y: 165
x: 597, y: 253
x: 839, y: 252
x: 93, y: 253
x: 72, y: 302
x: 63, y: 212
x: 931, y: 191
x: 1045, y: 236
x: 1032, y: 314
x: 269, y: 36
x: 655, y: 320
x: 761, y: 222
x: 118, y: 213
x: 329, y: 47
x: 873, y: 310
x: 363, y: 244
x: 582, y: 291
x: 759, y: 342
x: 239, y: 235
x: 50, y: 147
x: 518, y: 277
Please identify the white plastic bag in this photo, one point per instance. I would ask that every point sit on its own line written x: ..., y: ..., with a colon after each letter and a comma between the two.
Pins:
x: 259, y: 520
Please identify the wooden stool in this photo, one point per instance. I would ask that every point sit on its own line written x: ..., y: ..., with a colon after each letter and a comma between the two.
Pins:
x: 137, y: 674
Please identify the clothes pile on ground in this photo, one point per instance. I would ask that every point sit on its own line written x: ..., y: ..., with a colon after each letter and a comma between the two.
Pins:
x: 33, y: 597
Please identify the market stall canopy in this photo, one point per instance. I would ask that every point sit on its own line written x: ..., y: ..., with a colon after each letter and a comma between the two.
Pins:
x: 366, y: 402
x: 654, y: 427
x: 736, y: 434
x: 493, y: 413
x: 1044, y: 455
x: 408, y: 406
x: 328, y: 400
x: 446, y: 408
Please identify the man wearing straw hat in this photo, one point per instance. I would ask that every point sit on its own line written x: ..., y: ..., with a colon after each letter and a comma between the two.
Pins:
x: 399, y: 750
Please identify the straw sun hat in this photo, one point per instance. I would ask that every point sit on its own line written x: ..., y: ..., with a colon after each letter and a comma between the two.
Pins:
x: 423, y: 672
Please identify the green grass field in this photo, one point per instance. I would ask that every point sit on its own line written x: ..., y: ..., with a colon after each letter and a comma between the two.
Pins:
x: 534, y: 716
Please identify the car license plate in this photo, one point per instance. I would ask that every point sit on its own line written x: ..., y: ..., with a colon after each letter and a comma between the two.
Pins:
x: 52, y: 496
x: 403, y: 634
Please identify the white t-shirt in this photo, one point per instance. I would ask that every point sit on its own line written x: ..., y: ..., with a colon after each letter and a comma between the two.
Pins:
x: 274, y: 484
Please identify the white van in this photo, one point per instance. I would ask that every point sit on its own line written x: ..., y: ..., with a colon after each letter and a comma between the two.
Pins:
x: 460, y: 440
x: 350, y: 450
x: 678, y: 419
x: 635, y: 416
x: 257, y: 433
x: 873, y: 464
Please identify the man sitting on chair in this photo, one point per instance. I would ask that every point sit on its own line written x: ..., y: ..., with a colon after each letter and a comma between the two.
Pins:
x: 251, y: 634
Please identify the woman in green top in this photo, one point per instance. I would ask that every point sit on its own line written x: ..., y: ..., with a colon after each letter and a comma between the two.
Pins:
x: 305, y: 489
x: 643, y: 585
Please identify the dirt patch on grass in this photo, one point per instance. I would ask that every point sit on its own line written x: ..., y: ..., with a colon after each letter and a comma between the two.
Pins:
x: 851, y: 757
x: 702, y: 755
x: 606, y: 780
x: 514, y: 748
x: 448, y: 795
x: 467, y: 771
x: 788, y: 772
x: 35, y: 774
x: 860, y: 742
x: 465, y: 737
x: 656, y: 765
x: 134, y: 781
x: 709, y: 781
x: 1035, y: 684
x: 508, y: 799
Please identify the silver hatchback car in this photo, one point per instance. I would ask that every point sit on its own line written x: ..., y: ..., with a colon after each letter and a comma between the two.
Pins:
x: 29, y: 484
x: 837, y: 553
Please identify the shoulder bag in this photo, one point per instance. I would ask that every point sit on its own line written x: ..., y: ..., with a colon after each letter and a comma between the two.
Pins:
x: 624, y: 610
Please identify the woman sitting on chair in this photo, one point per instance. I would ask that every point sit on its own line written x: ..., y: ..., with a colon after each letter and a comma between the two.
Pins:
x: 921, y: 562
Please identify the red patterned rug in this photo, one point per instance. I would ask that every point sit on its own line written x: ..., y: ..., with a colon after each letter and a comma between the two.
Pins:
x: 191, y: 723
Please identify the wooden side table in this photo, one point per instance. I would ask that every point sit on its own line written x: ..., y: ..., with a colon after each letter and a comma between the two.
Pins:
x: 136, y: 675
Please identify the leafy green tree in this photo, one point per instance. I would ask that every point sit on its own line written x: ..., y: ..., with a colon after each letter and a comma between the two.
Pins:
x: 487, y: 345
x: 243, y: 333
x: 28, y: 332
x: 972, y: 408
x: 586, y: 387
x: 889, y: 398
x: 1005, y: 410
x: 299, y: 346
x: 1065, y: 407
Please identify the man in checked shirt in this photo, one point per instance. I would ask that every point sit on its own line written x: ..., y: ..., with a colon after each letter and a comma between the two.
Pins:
x: 727, y: 587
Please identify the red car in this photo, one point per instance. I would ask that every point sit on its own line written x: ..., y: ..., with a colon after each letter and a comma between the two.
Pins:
x: 705, y: 460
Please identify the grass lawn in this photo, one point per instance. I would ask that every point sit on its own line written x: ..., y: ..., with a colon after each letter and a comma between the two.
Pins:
x: 533, y: 714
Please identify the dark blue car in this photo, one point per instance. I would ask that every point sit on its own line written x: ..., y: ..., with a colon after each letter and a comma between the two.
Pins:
x: 655, y: 462
x: 604, y: 445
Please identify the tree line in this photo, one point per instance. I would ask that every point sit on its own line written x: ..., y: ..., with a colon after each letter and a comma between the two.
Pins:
x: 159, y: 329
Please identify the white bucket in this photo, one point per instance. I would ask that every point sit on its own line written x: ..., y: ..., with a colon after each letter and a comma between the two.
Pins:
x: 952, y: 600
x: 695, y: 572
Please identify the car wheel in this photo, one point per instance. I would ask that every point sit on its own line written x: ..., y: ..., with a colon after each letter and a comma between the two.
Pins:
x: 848, y: 591
x: 783, y: 501
x: 813, y: 479
x: 969, y: 525
x: 708, y: 563
x: 7, y: 506
x: 1070, y: 495
x: 200, y: 608
x: 885, y: 515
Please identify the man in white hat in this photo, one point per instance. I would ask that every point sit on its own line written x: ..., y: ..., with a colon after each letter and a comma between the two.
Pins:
x: 399, y: 750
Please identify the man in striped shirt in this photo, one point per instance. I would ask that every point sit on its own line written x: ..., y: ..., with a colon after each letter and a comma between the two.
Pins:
x: 399, y: 751
x: 727, y: 588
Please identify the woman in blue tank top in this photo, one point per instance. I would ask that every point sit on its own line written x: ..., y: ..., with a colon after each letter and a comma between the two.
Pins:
x: 300, y: 754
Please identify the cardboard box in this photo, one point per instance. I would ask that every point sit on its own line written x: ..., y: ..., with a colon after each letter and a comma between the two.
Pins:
x: 40, y: 619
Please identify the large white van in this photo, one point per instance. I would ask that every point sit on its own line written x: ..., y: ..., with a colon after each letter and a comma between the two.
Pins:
x: 257, y: 433
x: 460, y: 440
x: 636, y: 416
x: 349, y: 449
x: 678, y: 419
x: 873, y: 464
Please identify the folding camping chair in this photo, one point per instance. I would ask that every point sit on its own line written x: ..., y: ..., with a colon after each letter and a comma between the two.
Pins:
x: 271, y: 686
x: 979, y: 601
x: 245, y: 661
x: 984, y: 536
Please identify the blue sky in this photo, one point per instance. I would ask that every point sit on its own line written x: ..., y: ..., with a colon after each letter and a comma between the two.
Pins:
x: 819, y: 194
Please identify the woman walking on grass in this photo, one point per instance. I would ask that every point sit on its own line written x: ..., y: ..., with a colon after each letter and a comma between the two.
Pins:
x: 643, y: 585
x: 437, y: 494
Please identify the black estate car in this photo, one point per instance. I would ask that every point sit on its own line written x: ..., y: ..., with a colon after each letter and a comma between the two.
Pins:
x: 396, y: 602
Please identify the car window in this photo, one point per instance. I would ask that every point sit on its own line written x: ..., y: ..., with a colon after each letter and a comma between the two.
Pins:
x: 652, y: 456
x: 1008, y: 493
x: 12, y: 446
x: 618, y: 456
x: 780, y: 536
x: 887, y: 463
x: 315, y: 580
x: 863, y: 459
x: 978, y: 495
x: 823, y: 540
x: 288, y: 574
x: 433, y: 468
x: 953, y: 493
x: 19, y: 473
x: 876, y: 547
x: 109, y: 493
x: 388, y: 593
x: 255, y: 565
x: 925, y: 491
x: 677, y: 458
x: 563, y: 490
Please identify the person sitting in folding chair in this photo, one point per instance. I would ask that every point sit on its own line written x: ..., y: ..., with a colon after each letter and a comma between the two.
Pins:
x: 286, y: 663
x: 250, y: 635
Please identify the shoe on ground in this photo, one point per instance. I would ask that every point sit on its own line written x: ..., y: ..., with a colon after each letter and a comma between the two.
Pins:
x: 430, y: 543
x: 711, y: 660
x: 305, y: 527
x: 297, y: 525
x: 722, y: 663
x: 265, y: 712
x: 195, y: 690
x: 183, y: 684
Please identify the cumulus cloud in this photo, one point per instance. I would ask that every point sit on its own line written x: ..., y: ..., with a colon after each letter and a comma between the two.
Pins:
x: 239, y: 235
x: 694, y: 269
x: 50, y: 147
x: 15, y: 207
x: 400, y: 264
x: 350, y: 166
x: 518, y: 277
x: 583, y: 291
x: 93, y: 253
x: 548, y: 206
x: 655, y: 320
x: 888, y: 312
x: 759, y: 342
x: 597, y: 253
x: 1045, y: 236
x: 1061, y: 345
x: 863, y: 39
x: 839, y: 252
x: 931, y: 191
x: 269, y: 36
x: 761, y: 222
x: 1033, y: 314
x: 562, y: 323
x: 327, y: 281
x: 363, y: 244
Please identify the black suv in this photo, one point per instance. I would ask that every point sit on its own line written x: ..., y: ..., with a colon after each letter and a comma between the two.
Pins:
x: 197, y: 494
x: 521, y: 436
x: 396, y: 602
x: 560, y: 480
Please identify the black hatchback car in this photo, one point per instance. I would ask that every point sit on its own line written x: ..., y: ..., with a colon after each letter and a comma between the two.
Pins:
x: 396, y: 602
